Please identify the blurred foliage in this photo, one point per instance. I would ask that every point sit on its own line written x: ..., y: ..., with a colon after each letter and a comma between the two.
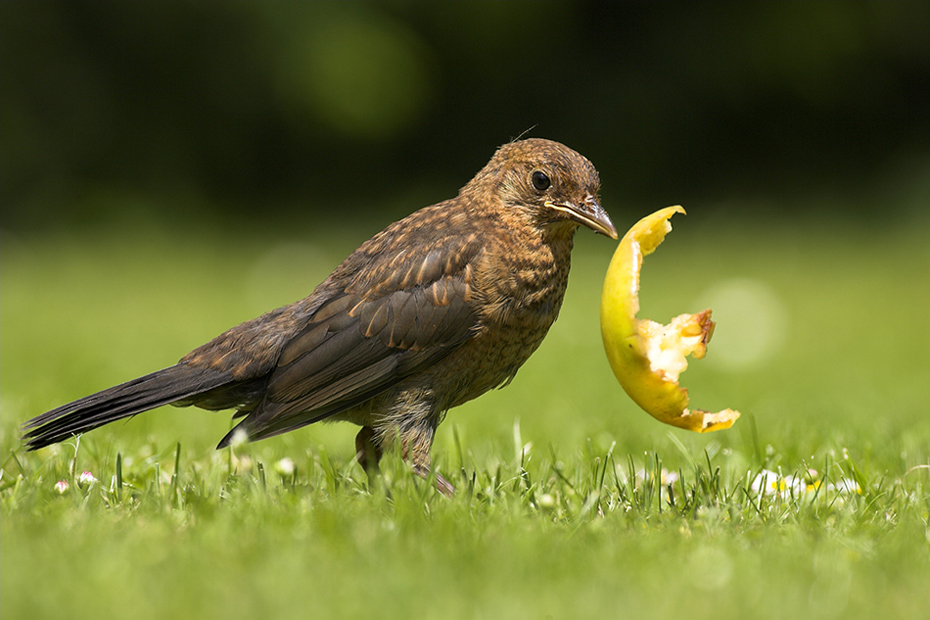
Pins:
x: 242, y: 111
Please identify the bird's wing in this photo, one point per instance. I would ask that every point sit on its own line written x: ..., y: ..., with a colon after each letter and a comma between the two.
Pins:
x: 404, y: 312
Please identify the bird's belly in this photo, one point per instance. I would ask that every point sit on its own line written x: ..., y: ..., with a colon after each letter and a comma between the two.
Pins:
x: 491, y: 359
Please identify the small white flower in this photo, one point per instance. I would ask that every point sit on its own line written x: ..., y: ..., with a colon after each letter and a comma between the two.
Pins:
x: 62, y: 486
x: 285, y: 467
x: 666, y: 476
x: 769, y: 483
x: 845, y: 486
x: 545, y: 500
x: 240, y: 436
x: 794, y: 485
x: 86, y: 478
x: 766, y: 482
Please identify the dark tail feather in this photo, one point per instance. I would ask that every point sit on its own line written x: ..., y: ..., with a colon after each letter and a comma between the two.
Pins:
x: 122, y: 401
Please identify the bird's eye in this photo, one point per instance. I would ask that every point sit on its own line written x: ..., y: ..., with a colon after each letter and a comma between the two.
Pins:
x: 541, y: 181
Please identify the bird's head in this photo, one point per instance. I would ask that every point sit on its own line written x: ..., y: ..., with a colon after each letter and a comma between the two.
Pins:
x: 552, y: 184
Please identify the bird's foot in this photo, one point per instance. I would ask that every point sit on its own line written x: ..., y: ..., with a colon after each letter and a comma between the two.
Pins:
x: 442, y: 485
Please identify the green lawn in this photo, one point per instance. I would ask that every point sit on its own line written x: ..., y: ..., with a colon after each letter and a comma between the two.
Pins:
x: 572, y: 502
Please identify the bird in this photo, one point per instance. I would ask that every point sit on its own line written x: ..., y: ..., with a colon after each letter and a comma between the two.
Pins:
x: 433, y: 311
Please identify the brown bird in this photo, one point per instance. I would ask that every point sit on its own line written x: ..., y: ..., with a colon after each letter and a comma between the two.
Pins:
x: 433, y: 311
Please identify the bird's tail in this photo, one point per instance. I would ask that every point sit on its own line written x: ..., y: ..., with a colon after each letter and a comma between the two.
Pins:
x: 165, y: 386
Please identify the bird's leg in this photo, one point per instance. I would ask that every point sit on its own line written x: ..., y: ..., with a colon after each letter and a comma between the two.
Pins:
x: 416, y: 452
x: 367, y: 451
x: 412, y: 424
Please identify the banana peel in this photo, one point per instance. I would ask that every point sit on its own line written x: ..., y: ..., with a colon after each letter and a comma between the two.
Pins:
x: 648, y: 357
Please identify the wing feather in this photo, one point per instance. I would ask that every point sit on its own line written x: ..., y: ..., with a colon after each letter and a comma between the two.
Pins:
x: 365, y: 339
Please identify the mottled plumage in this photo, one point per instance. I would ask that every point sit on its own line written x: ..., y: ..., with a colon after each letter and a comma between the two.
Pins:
x: 433, y: 311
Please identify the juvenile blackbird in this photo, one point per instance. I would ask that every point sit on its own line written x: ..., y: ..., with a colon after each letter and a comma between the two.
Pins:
x: 433, y: 311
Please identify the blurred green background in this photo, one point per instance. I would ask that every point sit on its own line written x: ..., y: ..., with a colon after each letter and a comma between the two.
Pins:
x: 171, y: 169
x: 238, y: 113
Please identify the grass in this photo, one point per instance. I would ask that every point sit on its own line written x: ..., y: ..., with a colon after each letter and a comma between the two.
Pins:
x: 571, y: 502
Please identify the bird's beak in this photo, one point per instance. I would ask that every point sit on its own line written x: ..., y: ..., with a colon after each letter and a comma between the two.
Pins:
x: 589, y: 213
